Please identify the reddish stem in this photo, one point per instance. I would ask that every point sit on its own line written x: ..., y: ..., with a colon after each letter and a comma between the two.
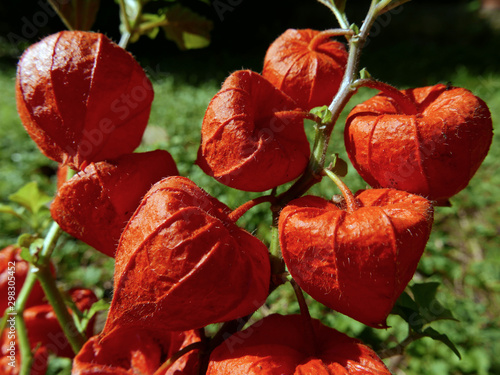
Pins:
x: 169, y: 363
x: 309, y: 334
x: 241, y: 210
x: 298, y: 112
x: 351, y: 203
x: 405, y: 104
x: 326, y: 34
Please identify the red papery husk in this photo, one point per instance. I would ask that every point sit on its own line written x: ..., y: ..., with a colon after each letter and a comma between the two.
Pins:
x: 280, y: 345
x: 44, y: 329
x: 10, y: 257
x: 82, y: 98
x: 252, y: 136
x: 306, y: 65
x: 434, y: 152
x: 356, y: 262
x: 10, y: 356
x: 95, y: 204
x: 131, y: 352
x: 44, y: 334
x: 183, y: 264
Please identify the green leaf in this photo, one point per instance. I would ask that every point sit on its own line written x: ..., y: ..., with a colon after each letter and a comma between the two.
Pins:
x: 147, y: 20
x: 100, y: 305
x: 30, y: 246
x: 36, y: 246
x: 422, y: 308
x: 435, y: 335
x: 407, y: 309
x: 323, y: 113
x: 6, y: 209
x: 424, y: 293
x: 364, y: 74
x: 186, y: 28
x: 30, y: 197
x: 25, y: 254
x: 338, y: 166
x: 429, y: 307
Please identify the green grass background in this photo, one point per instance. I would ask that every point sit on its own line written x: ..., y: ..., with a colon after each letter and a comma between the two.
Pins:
x: 463, y: 253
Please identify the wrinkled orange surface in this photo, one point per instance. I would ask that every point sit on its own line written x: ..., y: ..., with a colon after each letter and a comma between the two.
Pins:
x: 307, y: 65
x: 359, y: 262
x: 182, y: 264
x: 252, y: 138
x: 96, y: 203
x: 434, y: 153
x: 132, y: 352
x: 279, y: 345
x: 82, y: 98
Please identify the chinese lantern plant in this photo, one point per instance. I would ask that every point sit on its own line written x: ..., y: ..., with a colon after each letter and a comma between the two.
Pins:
x: 282, y: 345
x: 181, y: 261
x: 360, y: 254
x: 102, y: 184
x: 82, y: 98
x: 427, y: 140
x: 307, y: 65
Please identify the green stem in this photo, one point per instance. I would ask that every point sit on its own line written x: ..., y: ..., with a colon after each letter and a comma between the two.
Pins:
x: 124, y: 40
x: 379, y: 7
x: 313, y: 172
x: 75, y: 338
x: 130, y: 27
x: 123, y: 12
x: 21, y: 331
x: 53, y: 295
x: 399, y: 348
x: 49, y: 243
x: 24, y: 345
x: 340, y: 16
